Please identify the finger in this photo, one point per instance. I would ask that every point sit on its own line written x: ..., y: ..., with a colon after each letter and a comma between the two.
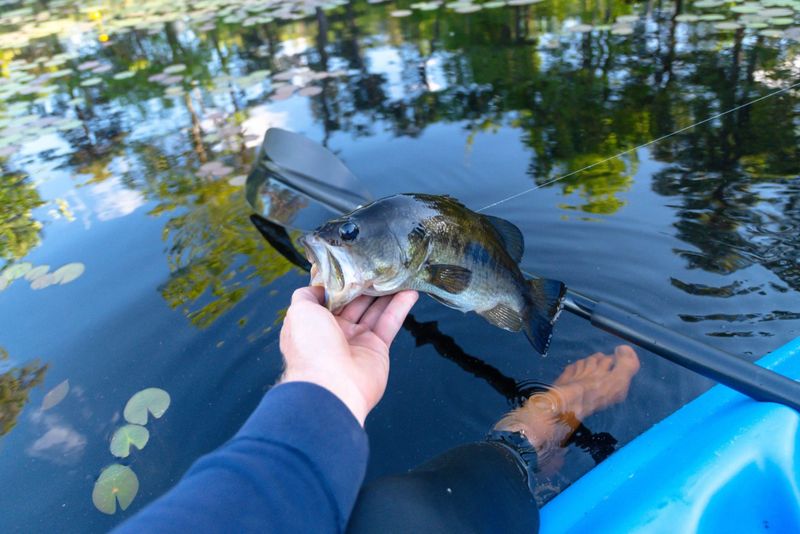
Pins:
x: 393, y: 316
x: 371, y: 316
x: 313, y: 294
x: 353, y: 311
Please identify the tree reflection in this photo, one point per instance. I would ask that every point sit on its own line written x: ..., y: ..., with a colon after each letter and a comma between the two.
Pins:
x: 15, y: 387
x: 579, y: 99
x: 19, y: 230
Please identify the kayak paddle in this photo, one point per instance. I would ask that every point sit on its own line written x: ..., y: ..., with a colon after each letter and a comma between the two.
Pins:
x: 300, y: 184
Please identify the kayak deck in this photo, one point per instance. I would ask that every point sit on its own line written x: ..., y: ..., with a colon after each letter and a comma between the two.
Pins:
x: 722, y: 463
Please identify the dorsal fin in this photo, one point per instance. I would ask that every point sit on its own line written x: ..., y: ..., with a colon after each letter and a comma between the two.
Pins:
x: 512, y: 238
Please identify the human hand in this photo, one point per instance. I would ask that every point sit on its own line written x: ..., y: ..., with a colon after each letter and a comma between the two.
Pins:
x: 348, y: 353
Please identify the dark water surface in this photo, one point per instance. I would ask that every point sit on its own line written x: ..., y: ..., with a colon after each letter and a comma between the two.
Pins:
x: 137, y: 177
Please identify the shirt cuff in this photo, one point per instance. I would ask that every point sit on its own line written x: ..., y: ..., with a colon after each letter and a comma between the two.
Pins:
x: 312, y: 420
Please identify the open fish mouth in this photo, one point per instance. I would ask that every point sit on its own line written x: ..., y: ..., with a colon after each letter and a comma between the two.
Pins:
x: 332, y: 271
x: 325, y: 268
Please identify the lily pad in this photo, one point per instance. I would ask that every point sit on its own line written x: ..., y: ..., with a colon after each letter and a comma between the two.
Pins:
x: 17, y: 270
x: 153, y: 400
x: 44, y: 281
x: 126, y: 436
x: 727, y: 26
x: 4, y: 282
x: 400, y: 13
x: 124, y: 75
x: 36, y: 272
x: 91, y: 82
x: 174, y: 69
x: 69, y: 272
x: 55, y: 395
x: 116, y: 483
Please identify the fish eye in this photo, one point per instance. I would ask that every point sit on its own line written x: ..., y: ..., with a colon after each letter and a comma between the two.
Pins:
x: 348, y: 231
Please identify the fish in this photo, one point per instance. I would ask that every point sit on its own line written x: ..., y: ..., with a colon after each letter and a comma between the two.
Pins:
x: 434, y: 244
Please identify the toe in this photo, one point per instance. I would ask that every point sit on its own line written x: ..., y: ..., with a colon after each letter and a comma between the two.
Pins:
x: 627, y: 359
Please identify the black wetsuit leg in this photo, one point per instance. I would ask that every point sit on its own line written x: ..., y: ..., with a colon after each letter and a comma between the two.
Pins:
x: 480, y: 487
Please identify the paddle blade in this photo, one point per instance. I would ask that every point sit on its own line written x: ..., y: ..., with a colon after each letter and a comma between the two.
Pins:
x: 300, y: 184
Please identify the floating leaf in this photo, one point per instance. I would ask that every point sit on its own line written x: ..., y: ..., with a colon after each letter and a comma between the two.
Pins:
x: 124, y: 75
x: 91, y: 82
x: 174, y: 69
x: 55, y: 395
x: 622, y: 30
x: 153, y: 400
x: 781, y: 21
x: 4, y: 282
x: 711, y: 17
x: 126, y: 436
x: 44, y: 281
x: 17, y: 270
x: 116, y: 483
x: 69, y: 272
x: 36, y: 272
x: 727, y: 25
x: 400, y: 13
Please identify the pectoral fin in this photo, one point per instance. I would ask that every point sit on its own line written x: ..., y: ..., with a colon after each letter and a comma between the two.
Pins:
x: 451, y: 278
x: 504, y: 317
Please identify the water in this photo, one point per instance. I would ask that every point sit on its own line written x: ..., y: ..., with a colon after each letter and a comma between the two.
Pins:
x: 137, y: 177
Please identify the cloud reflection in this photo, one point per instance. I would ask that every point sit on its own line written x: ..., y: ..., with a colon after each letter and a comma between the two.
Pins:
x: 114, y: 200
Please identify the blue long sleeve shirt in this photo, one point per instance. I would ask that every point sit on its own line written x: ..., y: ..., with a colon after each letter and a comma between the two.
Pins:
x: 295, y: 466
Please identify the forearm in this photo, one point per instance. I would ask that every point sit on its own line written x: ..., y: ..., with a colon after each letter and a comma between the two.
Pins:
x: 295, y: 466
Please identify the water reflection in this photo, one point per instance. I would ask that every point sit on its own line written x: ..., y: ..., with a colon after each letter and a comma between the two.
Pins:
x: 124, y: 118
x: 15, y: 387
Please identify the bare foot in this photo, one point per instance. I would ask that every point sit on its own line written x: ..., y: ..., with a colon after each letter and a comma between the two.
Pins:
x: 548, y: 419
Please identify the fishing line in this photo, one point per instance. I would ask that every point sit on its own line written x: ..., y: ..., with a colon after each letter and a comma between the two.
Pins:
x: 628, y: 151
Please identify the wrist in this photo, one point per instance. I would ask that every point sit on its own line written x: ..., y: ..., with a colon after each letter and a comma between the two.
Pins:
x: 341, y: 389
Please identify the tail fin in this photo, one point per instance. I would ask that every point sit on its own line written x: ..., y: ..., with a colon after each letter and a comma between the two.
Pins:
x: 546, y: 299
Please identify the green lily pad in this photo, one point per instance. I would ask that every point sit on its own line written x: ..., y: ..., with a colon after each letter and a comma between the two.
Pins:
x: 4, y: 282
x: 746, y: 8
x: 41, y: 282
x: 781, y: 21
x: 687, y: 17
x: 727, y: 26
x: 153, y: 400
x: 55, y: 395
x: 17, y: 270
x: 711, y: 17
x: 174, y: 69
x: 124, y: 75
x: 91, y: 82
x: 116, y: 483
x: 69, y: 272
x: 126, y: 436
x: 774, y: 34
x: 36, y: 272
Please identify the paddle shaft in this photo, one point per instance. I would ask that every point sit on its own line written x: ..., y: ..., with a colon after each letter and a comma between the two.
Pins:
x: 737, y: 373
x: 321, y: 176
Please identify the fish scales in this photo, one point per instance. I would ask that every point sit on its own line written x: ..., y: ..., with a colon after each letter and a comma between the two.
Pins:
x: 436, y: 245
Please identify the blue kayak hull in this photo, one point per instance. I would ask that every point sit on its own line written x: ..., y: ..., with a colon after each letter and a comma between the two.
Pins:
x: 722, y: 463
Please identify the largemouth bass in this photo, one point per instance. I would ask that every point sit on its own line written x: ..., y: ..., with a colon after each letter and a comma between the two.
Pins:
x: 436, y: 245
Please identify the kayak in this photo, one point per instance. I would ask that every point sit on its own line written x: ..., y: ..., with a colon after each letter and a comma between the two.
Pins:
x: 721, y: 463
